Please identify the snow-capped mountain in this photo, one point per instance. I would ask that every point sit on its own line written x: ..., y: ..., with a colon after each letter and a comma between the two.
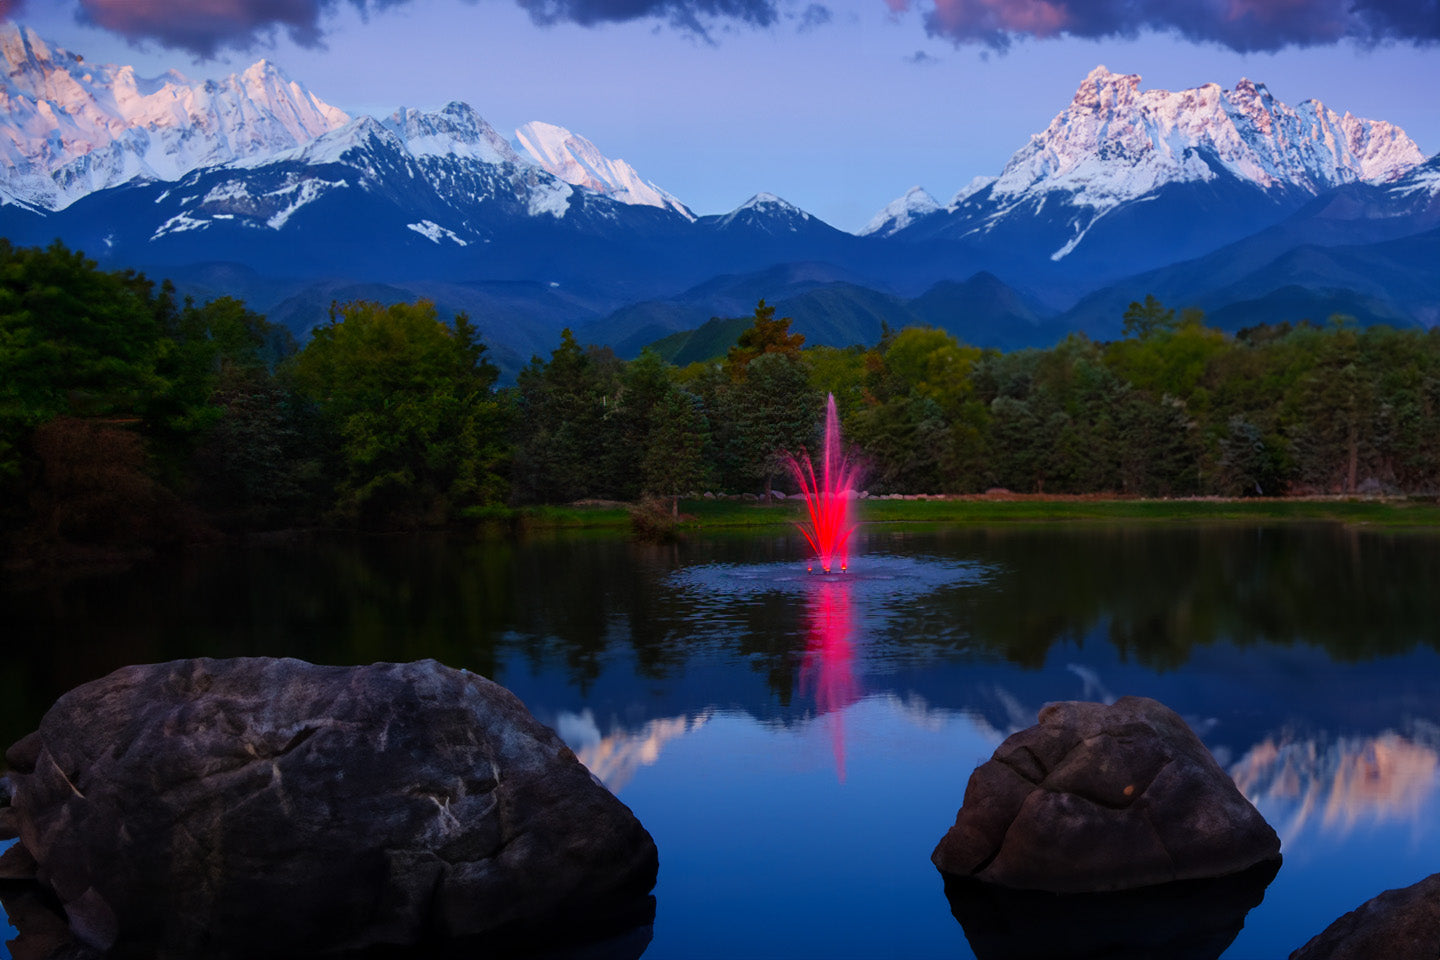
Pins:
x: 765, y: 213
x: 899, y: 214
x: 69, y: 128
x: 1115, y: 143
x: 253, y: 177
x: 576, y: 160
x: 446, y: 177
x: 418, y: 195
x: 1236, y: 160
x: 1422, y: 182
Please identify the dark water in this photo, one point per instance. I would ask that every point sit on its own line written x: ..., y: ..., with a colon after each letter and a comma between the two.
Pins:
x: 797, y: 745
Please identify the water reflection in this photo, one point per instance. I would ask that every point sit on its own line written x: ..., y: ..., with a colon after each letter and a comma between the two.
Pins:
x: 700, y: 679
x: 828, y: 671
x: 616, y: 758
x: 1186, y: 920
x: 1332, y: 786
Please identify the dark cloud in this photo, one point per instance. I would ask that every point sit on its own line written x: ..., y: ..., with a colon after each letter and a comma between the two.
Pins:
x: 815, y: 15
x: 920, y: 58
x: 8, y: 7
x: 204, y: 27
x: 692, y: 15
x: 1243, y: 25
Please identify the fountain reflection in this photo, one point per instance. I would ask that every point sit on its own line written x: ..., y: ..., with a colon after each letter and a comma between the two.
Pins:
x: 828, y: 670
x: 1313, y: 784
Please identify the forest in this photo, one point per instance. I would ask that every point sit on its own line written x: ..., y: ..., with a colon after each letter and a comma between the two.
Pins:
x: 128, y: 414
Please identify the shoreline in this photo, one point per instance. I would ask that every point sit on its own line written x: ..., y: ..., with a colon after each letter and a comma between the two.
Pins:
x: 967, y: 509
x: 700, y: 515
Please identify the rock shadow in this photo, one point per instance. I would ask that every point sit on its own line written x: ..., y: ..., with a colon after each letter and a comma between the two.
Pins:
x: 1184, y: 920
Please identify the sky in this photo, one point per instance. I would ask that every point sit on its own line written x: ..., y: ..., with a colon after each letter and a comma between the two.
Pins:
x: 838, y: 106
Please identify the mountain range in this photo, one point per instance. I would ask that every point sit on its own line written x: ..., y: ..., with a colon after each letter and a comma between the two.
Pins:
x: 1229, y: 200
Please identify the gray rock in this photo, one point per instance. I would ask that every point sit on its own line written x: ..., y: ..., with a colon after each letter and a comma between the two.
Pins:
x: 1097, y: 798
x: 259, y: 807
x: 1397, y: 925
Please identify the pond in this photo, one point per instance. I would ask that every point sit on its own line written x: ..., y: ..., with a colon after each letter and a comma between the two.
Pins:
x: 798, y: 744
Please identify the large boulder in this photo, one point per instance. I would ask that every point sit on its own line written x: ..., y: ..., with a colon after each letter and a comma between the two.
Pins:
x: 1397, y: 925
x: 263, y: 807
x: 1097, y: 798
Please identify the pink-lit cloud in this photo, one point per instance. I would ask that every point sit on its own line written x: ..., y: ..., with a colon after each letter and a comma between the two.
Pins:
x: 1244, y: 25
x: 203, y: 27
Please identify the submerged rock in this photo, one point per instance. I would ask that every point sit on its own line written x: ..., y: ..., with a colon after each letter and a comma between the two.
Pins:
x: 1185, y: 920
x: 1097, y: 798
x: 1397, y: 925
x: 262, y: 807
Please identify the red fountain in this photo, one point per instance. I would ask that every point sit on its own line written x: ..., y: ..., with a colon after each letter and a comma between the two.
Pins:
x: 827, y: 498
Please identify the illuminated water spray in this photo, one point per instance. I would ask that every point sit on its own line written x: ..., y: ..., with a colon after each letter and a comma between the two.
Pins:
x: 827, y: 497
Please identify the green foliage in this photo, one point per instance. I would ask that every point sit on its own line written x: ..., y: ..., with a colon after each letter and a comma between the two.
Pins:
x: 710, y: 341
x: 674, y: 460
x: 1142, y: 319
x: 73, y: 341
x: 259, y: 465
x: 772, y: 412
x: 110, y: 350
x: 122, y: 408
x: 566, y: 415
x: 767, y: 334
x: 411, y: 402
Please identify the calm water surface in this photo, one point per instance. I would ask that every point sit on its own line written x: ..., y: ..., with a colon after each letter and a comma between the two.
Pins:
x: 798, y: 744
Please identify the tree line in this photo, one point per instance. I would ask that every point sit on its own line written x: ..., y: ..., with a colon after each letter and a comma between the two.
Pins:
x: 129, y: 413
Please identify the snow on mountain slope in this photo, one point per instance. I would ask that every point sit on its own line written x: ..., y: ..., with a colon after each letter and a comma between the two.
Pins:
x: 576, y: 160
x: 899, y: 214
x: 764, y: 210
x: 444, y: 168
x: 1422, y: 181
x: 69, y: 128
x: 1115, y: 143
x: 1115, y: 146
x: 455, y: 130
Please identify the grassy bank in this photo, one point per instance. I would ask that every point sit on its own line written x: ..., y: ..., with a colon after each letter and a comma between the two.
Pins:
x: 706, y: 514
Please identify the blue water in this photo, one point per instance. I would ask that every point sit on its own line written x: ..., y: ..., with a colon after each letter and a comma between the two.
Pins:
x: 797, y: 745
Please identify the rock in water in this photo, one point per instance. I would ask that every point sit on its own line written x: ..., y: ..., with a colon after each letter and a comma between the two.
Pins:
x: 1184, y: 920
x: 1097, y: 798
x: 1397, y: 925
x: 260, y: 807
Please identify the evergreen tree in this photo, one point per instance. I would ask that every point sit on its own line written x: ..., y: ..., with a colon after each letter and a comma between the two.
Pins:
x: 772, y: 413
x: 1150, y: 317
x: 674, y: 459
x: 766, y: 335
x: 570, y: 428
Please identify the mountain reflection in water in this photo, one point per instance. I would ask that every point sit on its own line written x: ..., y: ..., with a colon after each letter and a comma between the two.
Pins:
x: 616, y: 757
x: 1333, y: 787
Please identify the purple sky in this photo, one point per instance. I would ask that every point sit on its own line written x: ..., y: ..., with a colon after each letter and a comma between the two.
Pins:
x: 838, y: 107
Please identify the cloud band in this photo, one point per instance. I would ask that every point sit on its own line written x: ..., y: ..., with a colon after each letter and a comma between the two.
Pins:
x: 204, y: 27
x: 1242, y: 25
